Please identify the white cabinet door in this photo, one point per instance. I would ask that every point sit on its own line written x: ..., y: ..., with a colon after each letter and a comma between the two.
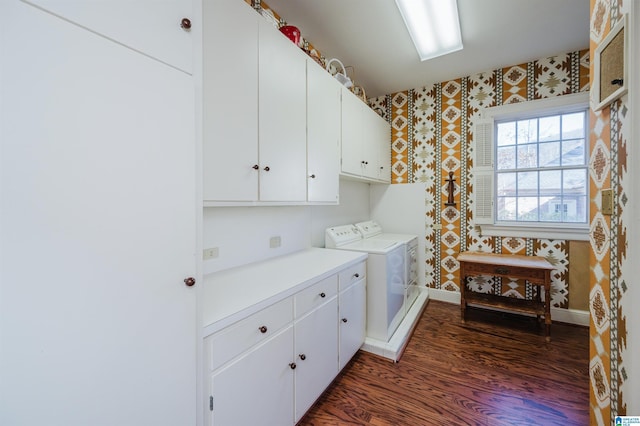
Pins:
x: 366, y: 150
x: 257, y: 389
x: 352, y: 314
x: 282, y: 119
x: 323, y: 135
x: 316, y: 354
x: 382, y: 142
x: 352, y: 159
x: 230, y: 101
x: 97, y: 229
x: 370, y: 142
x: 151, y: 27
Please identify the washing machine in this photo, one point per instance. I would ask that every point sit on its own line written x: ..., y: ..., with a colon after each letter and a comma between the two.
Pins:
x: 371, y: 230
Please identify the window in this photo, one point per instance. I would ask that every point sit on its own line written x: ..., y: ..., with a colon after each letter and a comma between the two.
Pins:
x: 531, y: 169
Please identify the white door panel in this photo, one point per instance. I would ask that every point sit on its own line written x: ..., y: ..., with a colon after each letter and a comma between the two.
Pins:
x: 97, y: 230
x: 151, y: 27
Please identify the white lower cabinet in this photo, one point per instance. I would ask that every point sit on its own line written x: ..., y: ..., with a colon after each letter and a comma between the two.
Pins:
x: 352, y: 312
x: 316, y: 344
x: 255, y: 387
x: 270, y: 367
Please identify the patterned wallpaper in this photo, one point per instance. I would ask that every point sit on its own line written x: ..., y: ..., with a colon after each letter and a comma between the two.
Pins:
x: 608, y: 260
x: 432, y: 136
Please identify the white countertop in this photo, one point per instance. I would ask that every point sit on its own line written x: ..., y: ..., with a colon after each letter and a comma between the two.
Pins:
x: 236, y: 293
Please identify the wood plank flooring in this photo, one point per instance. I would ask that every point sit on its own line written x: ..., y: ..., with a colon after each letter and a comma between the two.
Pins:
x: 495, y: 369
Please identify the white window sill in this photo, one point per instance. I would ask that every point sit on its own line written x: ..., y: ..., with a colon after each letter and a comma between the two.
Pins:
x: 562, y: 232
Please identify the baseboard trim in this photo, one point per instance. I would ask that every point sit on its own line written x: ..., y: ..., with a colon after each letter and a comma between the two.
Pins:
x: 569, y: 316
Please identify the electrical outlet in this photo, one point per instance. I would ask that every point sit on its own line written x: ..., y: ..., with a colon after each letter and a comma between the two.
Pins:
x: 275, y: 242
x: 210, y: 253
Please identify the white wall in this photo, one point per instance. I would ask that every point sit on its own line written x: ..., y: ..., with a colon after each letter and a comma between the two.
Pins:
x: 401, y: 209
x: 242, y: 234
x: 353, y: 208
x: 632, y: 299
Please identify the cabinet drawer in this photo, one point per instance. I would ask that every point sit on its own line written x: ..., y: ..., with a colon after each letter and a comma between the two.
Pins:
x: 352, y: 275
x: 235, y: 339
x: 316, y: 295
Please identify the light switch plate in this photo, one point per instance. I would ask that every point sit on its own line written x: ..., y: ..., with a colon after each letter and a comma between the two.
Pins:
x: 607, y: 201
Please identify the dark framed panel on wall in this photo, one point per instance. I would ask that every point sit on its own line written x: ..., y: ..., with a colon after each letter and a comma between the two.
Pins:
x: 610, y: 66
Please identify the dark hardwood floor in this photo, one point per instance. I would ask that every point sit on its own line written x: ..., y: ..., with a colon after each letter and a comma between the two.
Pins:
x: 495, y: 369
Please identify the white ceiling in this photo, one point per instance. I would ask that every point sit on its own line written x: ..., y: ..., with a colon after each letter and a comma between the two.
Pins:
x: 370, y: 36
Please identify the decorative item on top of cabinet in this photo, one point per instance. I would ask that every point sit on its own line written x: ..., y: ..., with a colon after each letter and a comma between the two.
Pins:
x: 340, y: 76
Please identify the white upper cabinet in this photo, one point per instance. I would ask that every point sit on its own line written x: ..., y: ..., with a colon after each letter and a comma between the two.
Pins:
x: 151, y: 27
x: 230, y: 101
x: 353, y: 161
x: 282, y: 117
x: 380, y: 141
x: 323, y: 135
x: 255, y: 110
x: 366, y: 150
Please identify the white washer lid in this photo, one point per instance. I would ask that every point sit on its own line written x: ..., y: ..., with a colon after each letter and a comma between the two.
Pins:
x: 371, y: 245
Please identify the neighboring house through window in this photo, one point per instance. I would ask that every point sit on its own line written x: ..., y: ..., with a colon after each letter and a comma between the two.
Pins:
x: 530, y: 169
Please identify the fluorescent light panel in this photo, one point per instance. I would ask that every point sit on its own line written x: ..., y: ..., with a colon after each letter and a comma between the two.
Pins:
x: 434, y: 26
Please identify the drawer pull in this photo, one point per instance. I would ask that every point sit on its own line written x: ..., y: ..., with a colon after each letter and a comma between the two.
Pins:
x: 322, y: 294
x: 502, y: 270
x: 344, y: 320
x: 356, y: 275
x: 302, y: 356
x: 263, y: 329
x: 292, y: 365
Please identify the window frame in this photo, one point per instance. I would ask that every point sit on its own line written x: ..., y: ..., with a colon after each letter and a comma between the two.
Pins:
x: 483, y: 175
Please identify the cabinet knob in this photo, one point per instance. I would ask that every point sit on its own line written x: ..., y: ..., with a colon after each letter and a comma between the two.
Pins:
x: 263, y: 329
x: 255, y: 167
x: 322, y: 294
x: 302, y: 356
x: 266, y: 169
x: 356, y: 275
x: 344, y: 320
x: 293, y: 365
x: 185, y: 24
x: 190, y: 281
x: 312, y: 176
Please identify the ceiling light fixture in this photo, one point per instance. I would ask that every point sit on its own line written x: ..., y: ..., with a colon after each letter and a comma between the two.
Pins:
x: 434, y: 26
